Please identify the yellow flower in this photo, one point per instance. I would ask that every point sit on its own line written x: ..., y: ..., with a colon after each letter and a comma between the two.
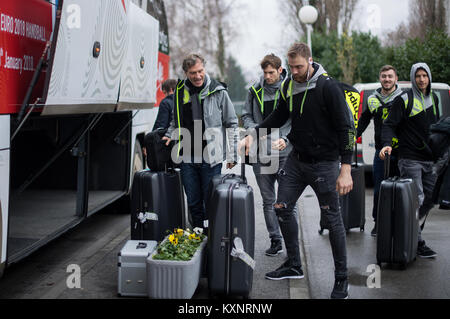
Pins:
x: 192, y: 236
x: 179, y: 232
x: 173, y: 239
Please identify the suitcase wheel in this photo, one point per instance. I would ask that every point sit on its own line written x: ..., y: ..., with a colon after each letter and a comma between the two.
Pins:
x: 361, y: 229
x: 321, y: 231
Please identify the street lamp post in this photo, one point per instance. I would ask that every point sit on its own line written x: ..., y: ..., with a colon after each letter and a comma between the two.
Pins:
x: 308, y: 15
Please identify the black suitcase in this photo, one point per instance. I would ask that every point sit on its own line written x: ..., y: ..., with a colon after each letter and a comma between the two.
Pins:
x: 353, y: 204
x: 157, y: 204
x: 397, y: 221
x: 158, y: 154
x: 231, y: 229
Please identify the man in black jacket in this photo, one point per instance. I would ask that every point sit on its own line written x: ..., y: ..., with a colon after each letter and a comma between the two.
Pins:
x: 322, y: 132
x: 165, y: 110
x: 410, y: 117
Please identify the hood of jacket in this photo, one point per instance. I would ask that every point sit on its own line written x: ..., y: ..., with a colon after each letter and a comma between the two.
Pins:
x: 271, y: 89
x: 211, y: 86
x: 311, y: 84
x: 417, y: 92
x: 386, y: 99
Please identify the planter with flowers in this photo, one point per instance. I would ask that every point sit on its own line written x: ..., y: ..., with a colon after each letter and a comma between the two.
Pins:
x: 174, y: 268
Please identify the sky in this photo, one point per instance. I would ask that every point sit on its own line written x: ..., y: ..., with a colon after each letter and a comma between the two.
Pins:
x: 262, y: 30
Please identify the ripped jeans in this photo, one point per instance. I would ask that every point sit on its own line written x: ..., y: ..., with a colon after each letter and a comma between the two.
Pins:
x: 321, y: 176
x: 266, y: 184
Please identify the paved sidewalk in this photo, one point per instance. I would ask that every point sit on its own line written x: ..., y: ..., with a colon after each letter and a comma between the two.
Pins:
x: 424, y: 278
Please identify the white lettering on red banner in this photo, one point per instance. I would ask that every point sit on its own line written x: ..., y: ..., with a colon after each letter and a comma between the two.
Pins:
x: 22, y: 28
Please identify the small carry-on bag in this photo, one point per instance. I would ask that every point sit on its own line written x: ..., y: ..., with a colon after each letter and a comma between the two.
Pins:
x: 353, y: 204
x: 158, y: 154
x: 231, y: 238
x: 157, y: 204
x: 132, y: 274
x: 397, y: 220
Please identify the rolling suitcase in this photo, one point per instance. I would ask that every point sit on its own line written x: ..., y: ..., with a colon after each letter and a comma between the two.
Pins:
x: 397, y: 220
x: 157, y: 204
x: 231, y: 238
x: 132, y: 274
x: 353, y: 204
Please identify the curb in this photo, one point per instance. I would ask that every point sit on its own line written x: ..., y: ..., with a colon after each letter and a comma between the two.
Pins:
x: 300, y: 289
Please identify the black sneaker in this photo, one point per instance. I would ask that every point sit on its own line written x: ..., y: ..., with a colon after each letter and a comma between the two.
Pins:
x: 276, y: 247
x: 340, y: 289
x: 374, y: 231
x: 285, y: 272
x: 423, y: 251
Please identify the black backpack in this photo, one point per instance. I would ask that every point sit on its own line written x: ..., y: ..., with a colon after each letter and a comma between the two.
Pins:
x: 439, y: 139
x: 158, y: 154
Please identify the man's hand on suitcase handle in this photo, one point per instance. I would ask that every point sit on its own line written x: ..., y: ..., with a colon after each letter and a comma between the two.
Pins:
x: 231, y: 165
x: 167, y: 139
x: 246, y: 142
x: 344, y: 183
x: 384, y: 150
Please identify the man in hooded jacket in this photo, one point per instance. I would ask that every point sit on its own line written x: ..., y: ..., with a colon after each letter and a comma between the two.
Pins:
x: 409, y: 120
x: 323, y: 137
x: 262, y: 99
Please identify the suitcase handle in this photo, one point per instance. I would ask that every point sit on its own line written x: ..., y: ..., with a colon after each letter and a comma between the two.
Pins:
x: 387, y: 165
x: 141, y: 245
x: 227, y: 176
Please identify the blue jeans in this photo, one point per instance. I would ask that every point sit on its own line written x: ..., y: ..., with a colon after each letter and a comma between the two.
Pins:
x: 266, y: 184
x: 321, y: 176
x: 378, y: 177
x: 196, y: 178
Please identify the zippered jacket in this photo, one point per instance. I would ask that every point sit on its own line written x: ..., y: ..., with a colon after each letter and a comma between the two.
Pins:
x: 322, y: 126
x: 219, y: 118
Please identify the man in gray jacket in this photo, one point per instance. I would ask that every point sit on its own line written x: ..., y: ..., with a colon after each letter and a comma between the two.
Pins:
x: 262, y: 99
x: 203, y: 119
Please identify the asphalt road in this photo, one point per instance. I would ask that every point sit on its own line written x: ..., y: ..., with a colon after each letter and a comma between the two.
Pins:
x: 94, y: 244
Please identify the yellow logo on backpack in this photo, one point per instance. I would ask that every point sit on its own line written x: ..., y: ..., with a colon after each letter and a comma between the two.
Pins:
x: 353, y: 99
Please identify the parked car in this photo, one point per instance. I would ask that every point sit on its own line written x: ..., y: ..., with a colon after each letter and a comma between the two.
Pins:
x: 367, y: 141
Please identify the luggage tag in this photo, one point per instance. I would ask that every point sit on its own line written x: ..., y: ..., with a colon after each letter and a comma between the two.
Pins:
x: 143, y: 217
x: 238, y: 252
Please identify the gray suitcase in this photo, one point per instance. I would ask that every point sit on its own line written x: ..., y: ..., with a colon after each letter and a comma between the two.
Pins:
x: 132, y: 277
x: 231, y: 222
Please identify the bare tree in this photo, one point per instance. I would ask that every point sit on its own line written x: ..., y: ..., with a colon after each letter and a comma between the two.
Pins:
x: 423, y: 15
x: 202, y: 26
x: 331, y: 14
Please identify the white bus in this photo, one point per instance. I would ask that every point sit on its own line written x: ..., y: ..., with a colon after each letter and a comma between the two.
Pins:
x: 72, y: 122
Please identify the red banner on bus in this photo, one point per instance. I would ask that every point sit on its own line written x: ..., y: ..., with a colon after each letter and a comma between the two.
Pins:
x: 163, y: 74
x: 25, y: 27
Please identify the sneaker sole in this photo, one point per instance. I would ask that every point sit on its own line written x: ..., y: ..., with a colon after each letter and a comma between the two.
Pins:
x: 348, y: 289
x: 285, y: 277
x: 273, y: 255
x: 427, y: 257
